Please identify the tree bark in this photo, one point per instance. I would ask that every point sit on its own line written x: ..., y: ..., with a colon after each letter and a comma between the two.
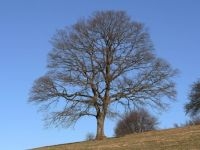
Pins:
x: 100, y: 127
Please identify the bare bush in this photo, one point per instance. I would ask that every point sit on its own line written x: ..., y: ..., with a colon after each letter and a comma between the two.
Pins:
x: 136, y: 122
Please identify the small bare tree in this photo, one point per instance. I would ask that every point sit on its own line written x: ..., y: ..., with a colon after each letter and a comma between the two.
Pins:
x: 136, y: 122
x: 193, y: 106
x: 97, y: 64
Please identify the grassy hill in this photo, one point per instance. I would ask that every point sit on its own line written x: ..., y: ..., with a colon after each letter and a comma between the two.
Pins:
x: 187, y: 138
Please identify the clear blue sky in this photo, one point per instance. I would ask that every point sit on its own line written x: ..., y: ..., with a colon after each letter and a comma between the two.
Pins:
x: 26, y: 27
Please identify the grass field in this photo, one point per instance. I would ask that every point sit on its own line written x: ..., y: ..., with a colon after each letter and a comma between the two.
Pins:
x: 187, y: 138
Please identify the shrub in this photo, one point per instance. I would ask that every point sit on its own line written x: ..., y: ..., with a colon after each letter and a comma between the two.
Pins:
x: 135, y: 122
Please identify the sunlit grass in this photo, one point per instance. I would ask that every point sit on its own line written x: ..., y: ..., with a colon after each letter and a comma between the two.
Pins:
x: 187, y: 138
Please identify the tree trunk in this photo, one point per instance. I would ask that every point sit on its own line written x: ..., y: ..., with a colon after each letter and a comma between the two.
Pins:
x: 100, y: 127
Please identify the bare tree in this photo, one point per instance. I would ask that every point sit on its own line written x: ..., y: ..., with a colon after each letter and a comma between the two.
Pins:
x: 193, y: 106
x: 98, y: 64
x: 135, y: 122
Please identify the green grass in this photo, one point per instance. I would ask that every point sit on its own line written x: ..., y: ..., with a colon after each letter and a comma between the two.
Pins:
x: 187, y: 138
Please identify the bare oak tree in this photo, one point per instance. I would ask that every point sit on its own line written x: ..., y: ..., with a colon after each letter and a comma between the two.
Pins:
x: 98, y: 64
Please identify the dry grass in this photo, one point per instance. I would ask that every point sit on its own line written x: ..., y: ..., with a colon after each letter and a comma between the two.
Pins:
x: 187, y: 138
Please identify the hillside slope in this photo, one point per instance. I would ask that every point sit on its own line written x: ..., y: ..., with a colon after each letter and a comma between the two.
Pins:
x: 187, y: 138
